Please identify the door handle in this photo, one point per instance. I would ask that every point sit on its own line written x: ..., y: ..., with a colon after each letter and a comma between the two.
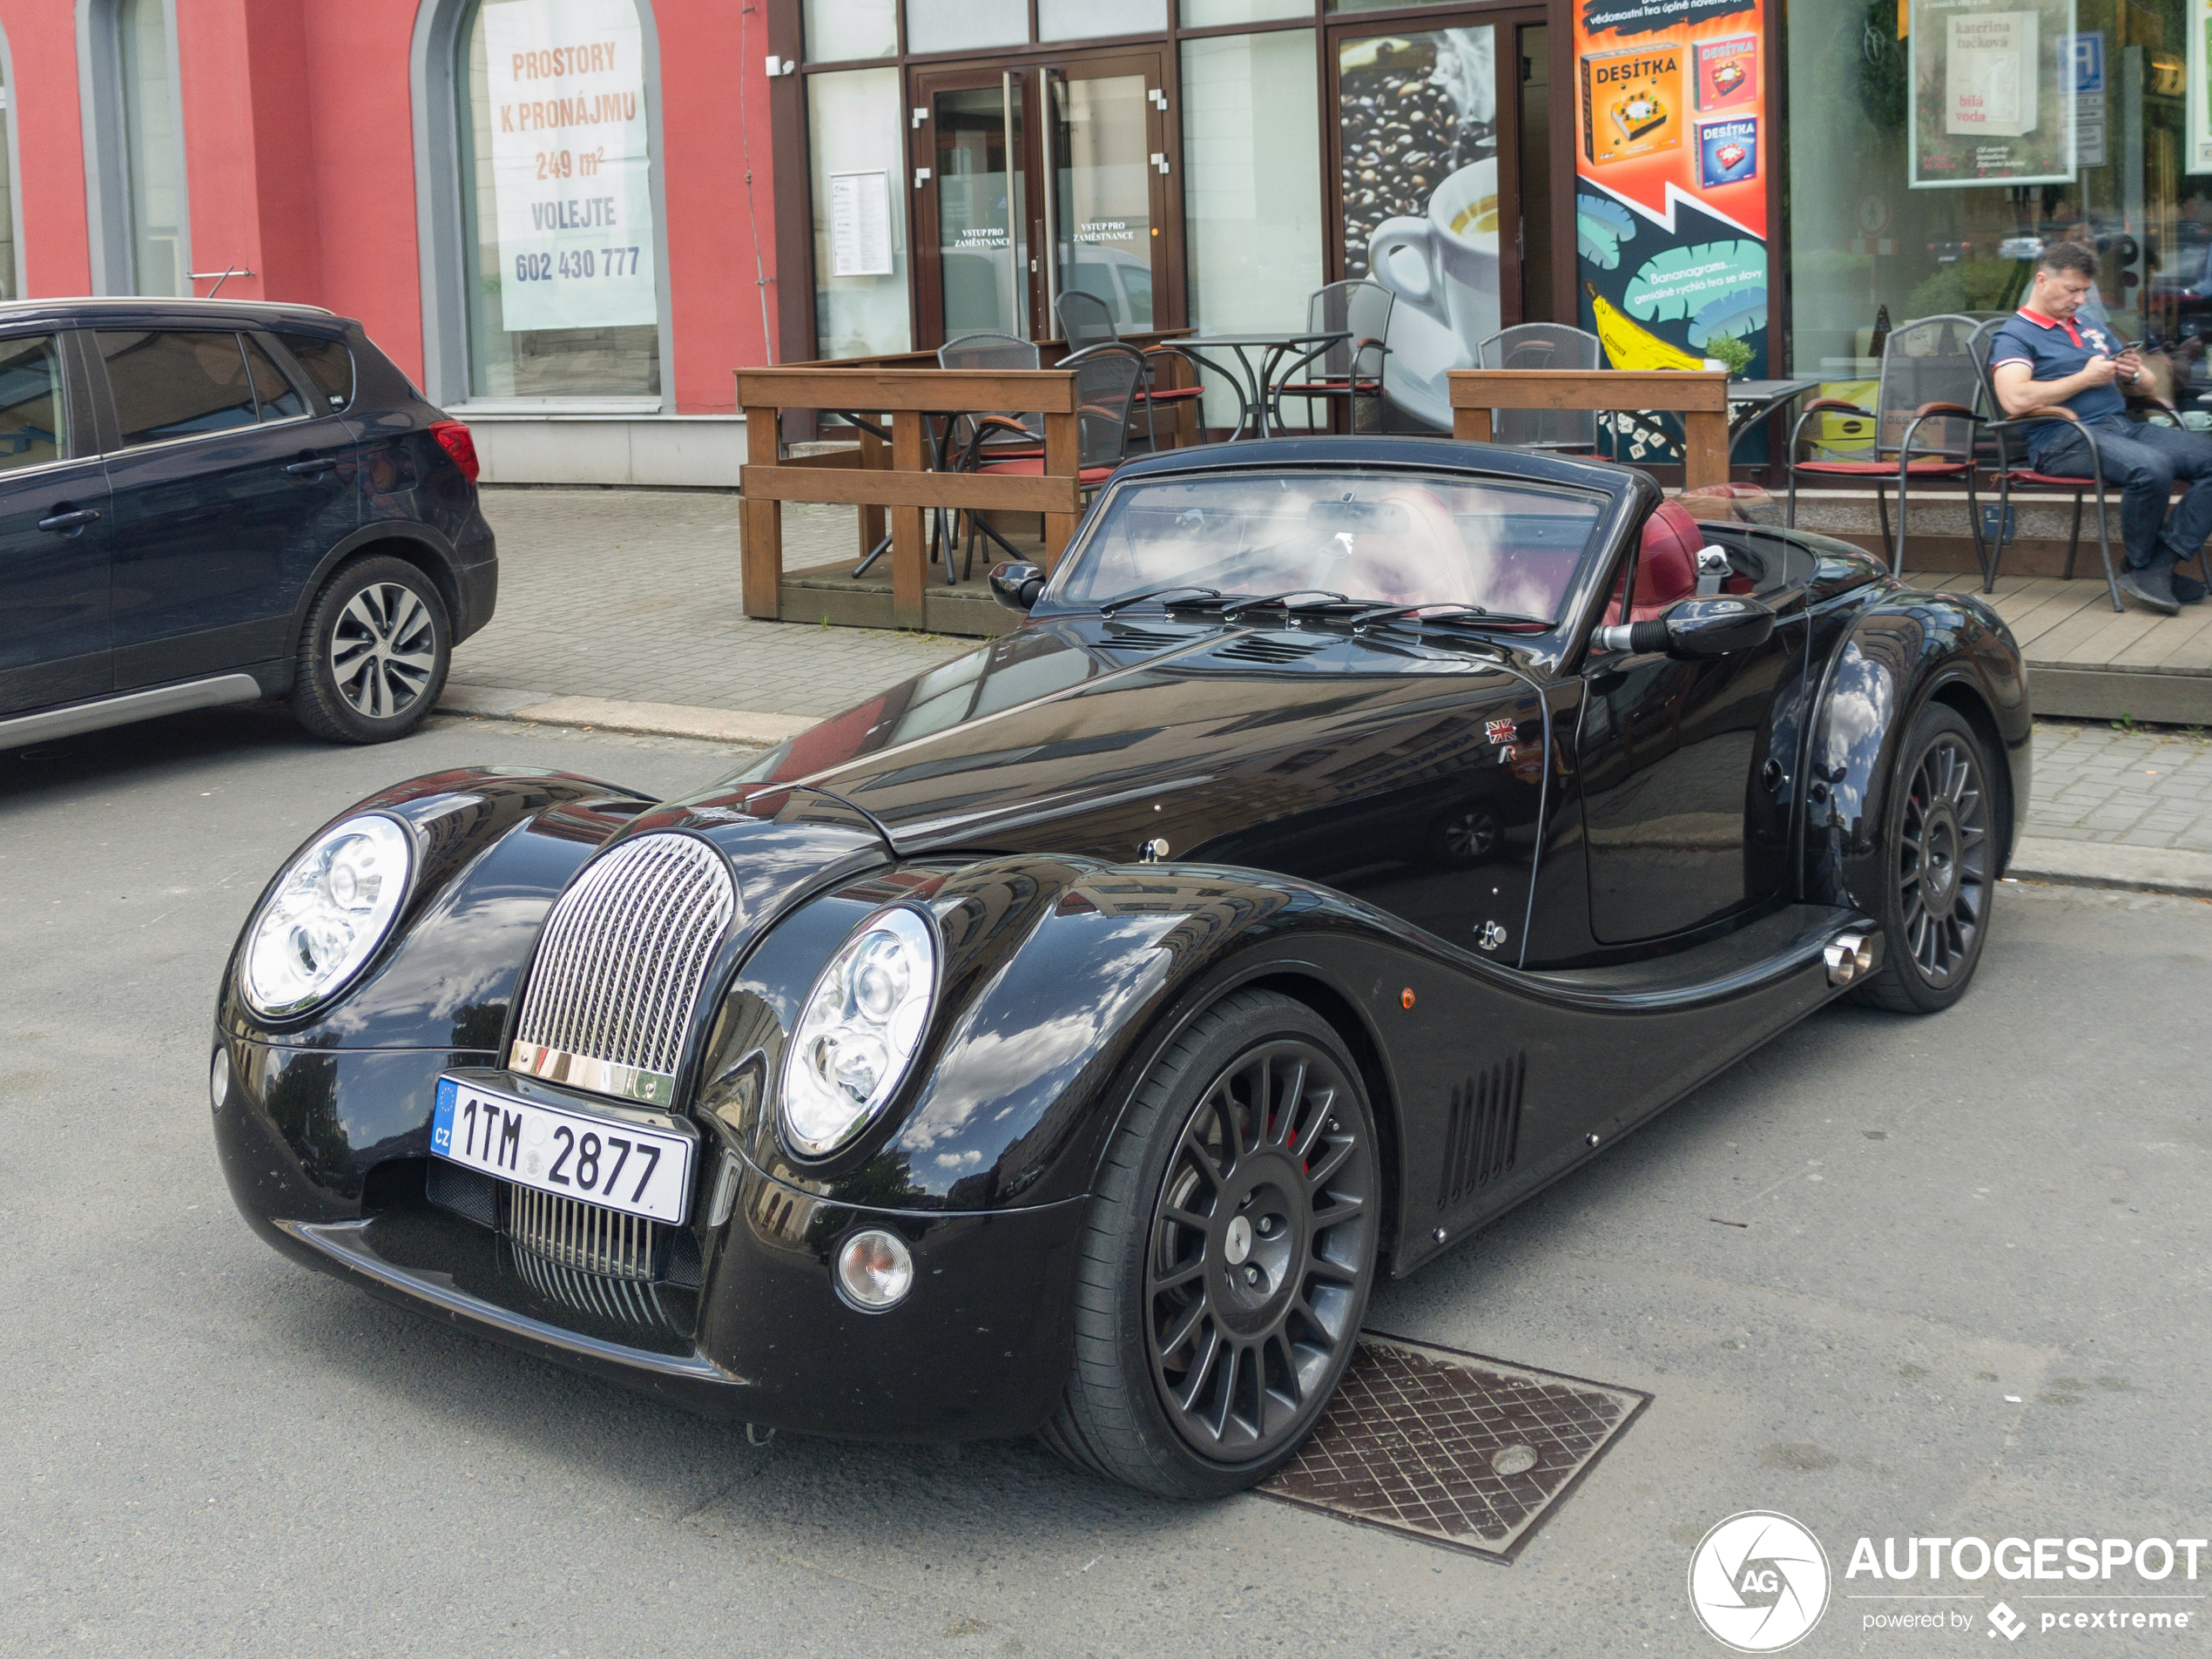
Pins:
x: 309, y: 468
x: 68, y: 524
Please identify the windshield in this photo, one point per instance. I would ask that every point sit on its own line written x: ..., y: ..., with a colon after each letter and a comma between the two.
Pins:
x: 1388, y: 538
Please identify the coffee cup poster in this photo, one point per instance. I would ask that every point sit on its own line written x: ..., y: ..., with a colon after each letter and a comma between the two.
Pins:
x: 565, y: 80
x: 1673, y: 148
x: 1993, y: 92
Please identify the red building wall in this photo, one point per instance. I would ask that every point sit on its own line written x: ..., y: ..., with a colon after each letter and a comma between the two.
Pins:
x: 300, y: 164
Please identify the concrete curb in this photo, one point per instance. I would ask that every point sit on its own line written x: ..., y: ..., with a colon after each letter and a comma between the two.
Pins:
x: 745, y: 726
x: 2103, y: 864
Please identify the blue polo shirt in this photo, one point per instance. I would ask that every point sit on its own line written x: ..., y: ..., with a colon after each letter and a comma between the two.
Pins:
x: 2053, y: 350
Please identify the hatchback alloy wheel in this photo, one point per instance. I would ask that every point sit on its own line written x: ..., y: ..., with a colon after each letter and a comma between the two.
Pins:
x: 383, y: 651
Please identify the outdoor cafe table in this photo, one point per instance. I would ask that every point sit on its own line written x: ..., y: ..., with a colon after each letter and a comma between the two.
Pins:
x: 1254, y: 383
x: 1751, y: 401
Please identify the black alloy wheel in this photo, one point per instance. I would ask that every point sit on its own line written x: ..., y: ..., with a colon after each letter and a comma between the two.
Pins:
x: 374, y: 654
x: 1939, y: 857
x: 1231, y: 1250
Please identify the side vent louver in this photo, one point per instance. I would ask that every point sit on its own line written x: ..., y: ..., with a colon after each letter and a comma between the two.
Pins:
x: 1128, y: 638
x: 1483, y: 1136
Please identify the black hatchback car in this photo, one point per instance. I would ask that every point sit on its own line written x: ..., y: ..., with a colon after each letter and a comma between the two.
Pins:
x: 208, y: 501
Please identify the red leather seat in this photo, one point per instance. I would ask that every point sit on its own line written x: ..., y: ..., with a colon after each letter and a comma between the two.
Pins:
x: 1667, y: 565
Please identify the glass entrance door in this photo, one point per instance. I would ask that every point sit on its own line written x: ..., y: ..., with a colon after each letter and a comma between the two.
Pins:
x: 984, y: 139
x: 1110, y: 173
x: 974, y: 207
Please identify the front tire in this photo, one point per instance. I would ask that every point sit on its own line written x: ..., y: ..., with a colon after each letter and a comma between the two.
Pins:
x: 374, y: 655
x: 1939, y: 869
x: 1228, y: 1256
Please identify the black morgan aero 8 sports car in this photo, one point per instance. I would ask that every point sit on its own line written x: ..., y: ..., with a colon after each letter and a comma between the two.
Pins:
x: 1356, y: 835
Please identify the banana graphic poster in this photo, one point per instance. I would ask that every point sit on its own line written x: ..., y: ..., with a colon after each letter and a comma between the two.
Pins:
x: 1670, y: 209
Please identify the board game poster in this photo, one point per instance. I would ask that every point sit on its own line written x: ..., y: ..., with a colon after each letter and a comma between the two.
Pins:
x: 1672, y: 154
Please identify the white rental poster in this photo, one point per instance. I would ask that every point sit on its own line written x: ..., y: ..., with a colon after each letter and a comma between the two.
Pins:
x: 570, y: 163
x: 2198, y: 106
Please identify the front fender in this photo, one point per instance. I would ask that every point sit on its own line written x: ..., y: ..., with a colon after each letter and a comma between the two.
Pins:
x: 1059, y: 977
x: 1904, y: 649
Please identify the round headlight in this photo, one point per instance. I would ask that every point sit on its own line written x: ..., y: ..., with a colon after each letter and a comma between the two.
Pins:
x: 326, y: 915
x: 858, y: 1032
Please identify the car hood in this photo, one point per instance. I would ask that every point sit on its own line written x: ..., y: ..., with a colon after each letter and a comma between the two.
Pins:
x: 1089, y: 738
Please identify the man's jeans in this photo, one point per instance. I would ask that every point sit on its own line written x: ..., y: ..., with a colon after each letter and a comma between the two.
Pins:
x: 2146, y: 459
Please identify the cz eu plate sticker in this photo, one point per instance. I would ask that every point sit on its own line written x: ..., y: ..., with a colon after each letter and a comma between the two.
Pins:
x: 602, y: 1160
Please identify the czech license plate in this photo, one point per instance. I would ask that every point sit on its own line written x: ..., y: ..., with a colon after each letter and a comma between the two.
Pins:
x: 607, y: 1160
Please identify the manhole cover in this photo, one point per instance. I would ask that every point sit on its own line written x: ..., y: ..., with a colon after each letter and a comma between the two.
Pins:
x: 1450, y: 1447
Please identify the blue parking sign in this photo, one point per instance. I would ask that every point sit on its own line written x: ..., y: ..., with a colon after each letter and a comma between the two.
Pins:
x: 2088, y: 61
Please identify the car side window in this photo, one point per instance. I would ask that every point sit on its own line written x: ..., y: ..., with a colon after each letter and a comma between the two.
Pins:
x: 278, y: 398
x: 329, y: 365
x: 34, y: 427
x: 175, y: 384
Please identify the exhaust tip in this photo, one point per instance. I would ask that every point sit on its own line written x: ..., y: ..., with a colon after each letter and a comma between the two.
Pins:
x: 1848, y: 956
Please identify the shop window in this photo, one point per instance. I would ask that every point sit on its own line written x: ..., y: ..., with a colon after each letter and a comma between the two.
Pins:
x: 1215, y: 14
x: 560, y: 241
x: 856, y: 158
x: 2085, y: 135
x: 9, y: 290
x: 959, y: 25
x: 152, y: 148
x: 839, y: 31
x: 1251, y: 186
x: 1098, y: 19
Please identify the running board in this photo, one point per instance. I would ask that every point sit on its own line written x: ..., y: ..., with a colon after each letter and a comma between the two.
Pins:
x: 79, y: 717
x: 1845, y: 942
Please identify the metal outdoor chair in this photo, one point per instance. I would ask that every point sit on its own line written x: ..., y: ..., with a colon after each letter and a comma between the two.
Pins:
x: 1086, y: 321
x: 2011, y: 477
x: 1107, y: 377
x: 1924, y: 423
x: 1347, y: 372
x: 1538, y: 346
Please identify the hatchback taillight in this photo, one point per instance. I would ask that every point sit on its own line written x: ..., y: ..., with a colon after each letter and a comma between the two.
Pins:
x: 454, y: 439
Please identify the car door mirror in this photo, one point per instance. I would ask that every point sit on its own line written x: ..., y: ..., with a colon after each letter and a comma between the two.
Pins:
x: 1016, y: 585
x: 1696, y: 630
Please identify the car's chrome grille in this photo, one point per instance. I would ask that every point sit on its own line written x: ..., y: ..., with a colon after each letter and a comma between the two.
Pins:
x: 624, y: 953
x: 585, y: 1236
x: 632, y: 1301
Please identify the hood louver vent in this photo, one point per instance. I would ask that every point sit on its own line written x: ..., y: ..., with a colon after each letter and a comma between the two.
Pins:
x: 1259, y: 648
x: 1483, y: 1136
x: 1144, y: 640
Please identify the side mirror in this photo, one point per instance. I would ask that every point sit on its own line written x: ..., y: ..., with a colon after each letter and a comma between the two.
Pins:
x: 1015, y: 584
x: 1695, y: 629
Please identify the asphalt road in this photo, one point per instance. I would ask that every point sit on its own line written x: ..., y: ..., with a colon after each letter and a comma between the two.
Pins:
x: 205, y: 1449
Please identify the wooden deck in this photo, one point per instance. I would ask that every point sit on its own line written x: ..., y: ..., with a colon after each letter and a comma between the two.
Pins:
x: 2087, y: 662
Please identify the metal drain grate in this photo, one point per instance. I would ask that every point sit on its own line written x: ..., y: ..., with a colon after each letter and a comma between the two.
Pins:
x: 1452, y: 1448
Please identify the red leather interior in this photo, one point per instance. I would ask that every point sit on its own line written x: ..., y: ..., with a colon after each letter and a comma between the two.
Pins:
x: 1667, y: 565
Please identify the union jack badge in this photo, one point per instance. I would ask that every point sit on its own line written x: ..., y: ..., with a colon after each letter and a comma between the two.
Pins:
x: 1501, y: 731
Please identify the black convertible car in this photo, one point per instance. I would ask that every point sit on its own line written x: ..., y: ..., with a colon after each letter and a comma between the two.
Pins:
x: 1357, y: 835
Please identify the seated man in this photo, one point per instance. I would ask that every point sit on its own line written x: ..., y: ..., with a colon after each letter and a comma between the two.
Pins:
x: 2046, y: 360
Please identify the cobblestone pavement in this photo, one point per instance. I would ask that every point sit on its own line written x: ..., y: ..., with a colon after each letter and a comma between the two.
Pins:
x: 2095, y: 783
x: 633, y: 594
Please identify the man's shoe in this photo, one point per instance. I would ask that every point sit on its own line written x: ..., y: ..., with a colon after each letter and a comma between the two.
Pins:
x: 2153, y: 585
x: 2186, y: 588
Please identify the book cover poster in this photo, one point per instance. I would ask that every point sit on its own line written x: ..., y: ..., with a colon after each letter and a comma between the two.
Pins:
x: 1671, y: 205
x: 1992, y: 93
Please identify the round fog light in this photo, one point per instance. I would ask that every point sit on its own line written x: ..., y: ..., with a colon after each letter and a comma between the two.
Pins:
x: 219, y: 1077
x: 874, y: 1270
